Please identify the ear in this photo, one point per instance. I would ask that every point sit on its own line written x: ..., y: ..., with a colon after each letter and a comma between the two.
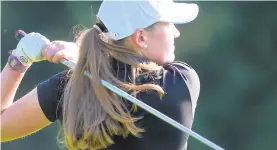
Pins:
x: 139, y: 38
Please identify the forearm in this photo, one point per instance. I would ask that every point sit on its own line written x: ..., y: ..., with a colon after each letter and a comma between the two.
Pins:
x: 10, y: 80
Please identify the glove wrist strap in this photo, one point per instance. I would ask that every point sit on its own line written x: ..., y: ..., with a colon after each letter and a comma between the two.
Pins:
x: 16, y: 65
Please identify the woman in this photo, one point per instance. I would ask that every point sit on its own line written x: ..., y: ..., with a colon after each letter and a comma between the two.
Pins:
x: 131, y: 46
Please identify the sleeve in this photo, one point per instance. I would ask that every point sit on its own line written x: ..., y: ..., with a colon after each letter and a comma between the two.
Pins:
x: 181, y: 84
x: 191, y: 78
x: 49, y: 95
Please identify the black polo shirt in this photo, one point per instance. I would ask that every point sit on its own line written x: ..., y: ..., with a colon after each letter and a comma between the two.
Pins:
x: 178, y: 80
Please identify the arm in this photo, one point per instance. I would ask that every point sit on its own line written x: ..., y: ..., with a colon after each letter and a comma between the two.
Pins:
x: 29, y: 113
x: 28, y: 50
x: 34, y: 111
x: 11, y: 113
x: 10, y: 81
x: 22, y: 118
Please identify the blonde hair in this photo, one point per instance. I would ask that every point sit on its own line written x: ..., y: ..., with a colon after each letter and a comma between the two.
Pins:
x: 91, y: 113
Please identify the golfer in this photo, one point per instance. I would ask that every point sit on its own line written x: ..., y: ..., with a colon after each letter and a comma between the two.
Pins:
x: 131, y: 46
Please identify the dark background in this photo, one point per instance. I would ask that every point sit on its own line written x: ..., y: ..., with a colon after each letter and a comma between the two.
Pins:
x: 232, y: 46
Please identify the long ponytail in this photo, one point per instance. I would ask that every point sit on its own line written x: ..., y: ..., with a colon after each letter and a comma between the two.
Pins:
x: 91, y: 113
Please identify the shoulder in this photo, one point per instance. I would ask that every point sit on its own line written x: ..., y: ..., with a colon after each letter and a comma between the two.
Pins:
x: 181, y: 72
x: 184, y: 71
x: 57, y: 80
x: 54, y: 85
x: 50, y: 92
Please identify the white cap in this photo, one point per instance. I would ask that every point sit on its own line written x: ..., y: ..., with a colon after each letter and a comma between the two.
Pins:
x: 123, y: 18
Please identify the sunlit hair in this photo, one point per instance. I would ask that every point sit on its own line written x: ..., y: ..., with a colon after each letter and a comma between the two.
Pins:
x: 91, y: 113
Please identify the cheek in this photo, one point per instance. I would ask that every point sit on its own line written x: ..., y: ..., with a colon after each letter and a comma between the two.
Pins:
x: 160, y: 48
x: 165, y: 50
x: 161, y: 52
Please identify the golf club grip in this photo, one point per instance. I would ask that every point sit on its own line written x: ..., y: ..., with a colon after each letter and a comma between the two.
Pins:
x: 19, y: 34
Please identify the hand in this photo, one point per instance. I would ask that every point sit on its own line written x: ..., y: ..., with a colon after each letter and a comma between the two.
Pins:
x: 29, y: 48
x: 55, y: 51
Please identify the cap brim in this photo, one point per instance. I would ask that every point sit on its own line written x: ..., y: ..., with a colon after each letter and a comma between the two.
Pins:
x: 179, y: 13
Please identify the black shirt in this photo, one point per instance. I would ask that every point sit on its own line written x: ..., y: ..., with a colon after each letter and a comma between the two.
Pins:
x: 178, y: 80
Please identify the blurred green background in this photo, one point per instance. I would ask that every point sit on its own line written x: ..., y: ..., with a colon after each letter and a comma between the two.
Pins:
x: 232, y: 46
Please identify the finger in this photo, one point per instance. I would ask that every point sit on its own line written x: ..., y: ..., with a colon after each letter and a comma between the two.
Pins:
x: 51, y: 49
x: 57, y: 50
x: 63, y: 54
x: 59, y: 44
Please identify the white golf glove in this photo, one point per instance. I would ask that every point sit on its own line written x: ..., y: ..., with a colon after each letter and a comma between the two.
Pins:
x: 29, y: 48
